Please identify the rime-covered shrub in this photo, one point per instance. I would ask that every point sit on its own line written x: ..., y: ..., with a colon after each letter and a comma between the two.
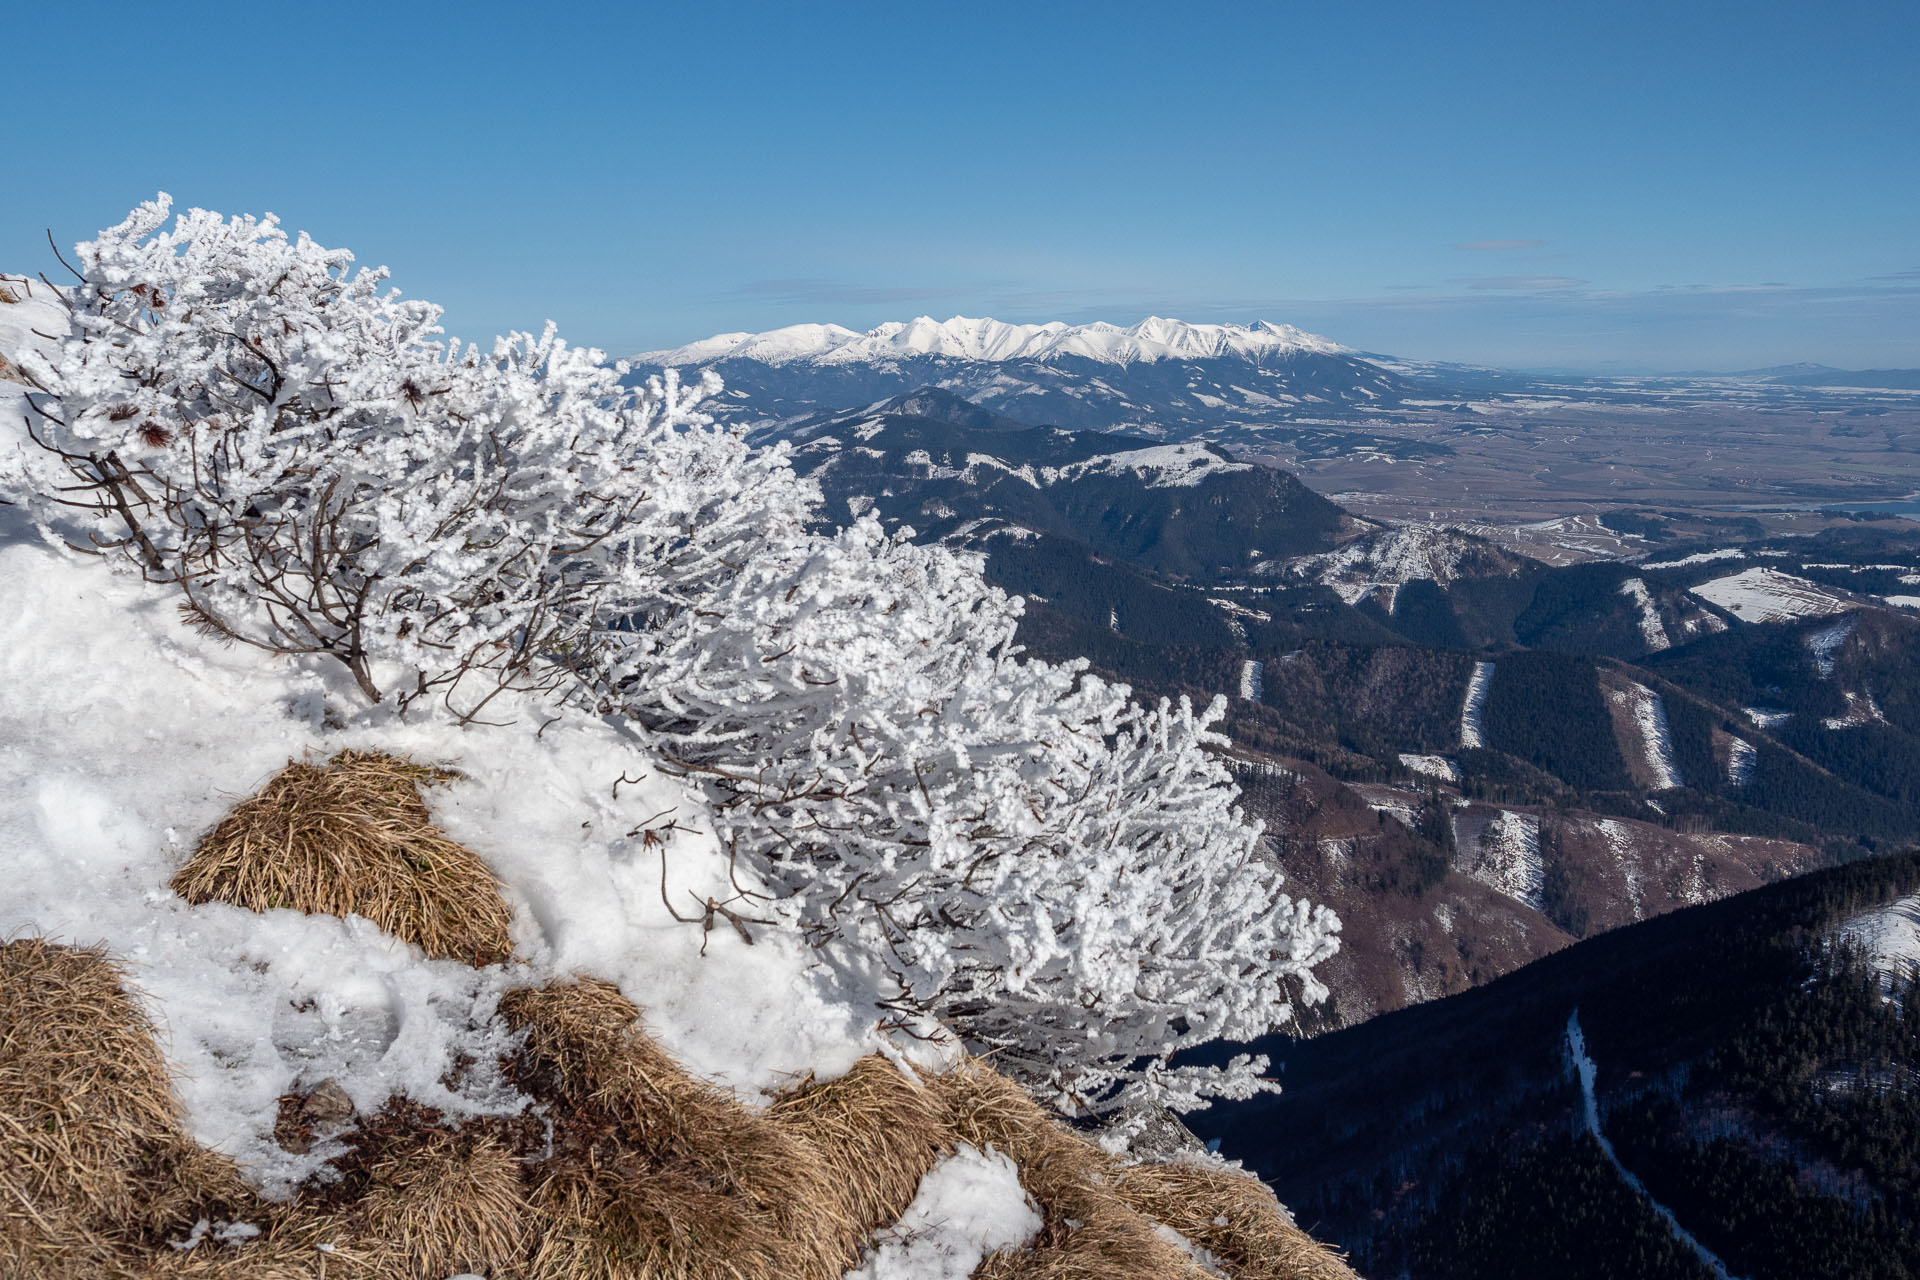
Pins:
x: 1053, y: 870
x: 1014, y: 847
x: 296, y: 449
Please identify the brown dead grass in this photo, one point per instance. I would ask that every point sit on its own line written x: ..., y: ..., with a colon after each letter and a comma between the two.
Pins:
x: 630, y: 1169
x: 656, y: 1173
x: 353, y: 837
x: 1089, y: 1233
x: 1233, y: 1216
x: 96, y: 1158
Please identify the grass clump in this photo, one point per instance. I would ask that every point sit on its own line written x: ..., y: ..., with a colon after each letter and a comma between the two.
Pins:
x: 96, y: 1158
x: 354, y: 837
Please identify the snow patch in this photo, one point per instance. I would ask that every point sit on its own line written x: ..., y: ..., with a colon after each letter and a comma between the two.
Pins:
x: 1889, y: 938
x: 1768, y: 595
x: 1635, y: 589
x: 1251, y: 685
x: 1741, y: 759
x: 1506, y: 856
x: 1430, y: 766
x: 1482, y: 680
x: 969, y: 1205
x: 1825, y: 643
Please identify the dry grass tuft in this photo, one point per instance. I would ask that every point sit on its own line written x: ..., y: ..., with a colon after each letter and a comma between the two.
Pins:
x: 1233, y: 1216
x: 1089, y: 1232
x: 446, y: 1205
x: 96, y: 1155
x: 354, y: 837
x: 655, y: 1173
x: 877, y: 1129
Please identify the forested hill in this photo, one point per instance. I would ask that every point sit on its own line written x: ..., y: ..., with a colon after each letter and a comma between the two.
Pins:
x: 1757, y: 1070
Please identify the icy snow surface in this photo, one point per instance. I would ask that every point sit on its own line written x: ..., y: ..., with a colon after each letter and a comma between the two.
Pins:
x: 994, y: 340
x: 968, y: 1206
x: 129, y: 736
x: 1477, y: 687
x: 1768, y: 595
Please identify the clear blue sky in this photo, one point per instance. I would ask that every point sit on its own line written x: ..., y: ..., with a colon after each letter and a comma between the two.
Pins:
x: 1624, y: 185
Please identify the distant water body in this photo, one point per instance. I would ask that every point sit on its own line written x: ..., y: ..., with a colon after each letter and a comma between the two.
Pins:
x: 1907, y: 508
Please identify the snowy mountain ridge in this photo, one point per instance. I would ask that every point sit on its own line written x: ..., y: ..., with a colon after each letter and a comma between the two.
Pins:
x: 996, y: 341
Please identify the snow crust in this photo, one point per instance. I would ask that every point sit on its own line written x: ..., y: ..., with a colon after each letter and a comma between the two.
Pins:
x: 993, y: 341
x: 968, y: 1206
x: 1768, y: 595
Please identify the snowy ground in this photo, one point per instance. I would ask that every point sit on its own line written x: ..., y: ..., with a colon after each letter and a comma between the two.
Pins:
x: 1476, y: 700
x: 1651, y: 629
x: 1251, y: 685
x: 1768, y: 595
x: 968, y: 1205
x: 1503, y: 853
x: 1647, y: 714
x: 1431, y: 766
x: 1825, y: 643
x: 129, y: 736
x: 1741, y: 758
x: 1889, y: 936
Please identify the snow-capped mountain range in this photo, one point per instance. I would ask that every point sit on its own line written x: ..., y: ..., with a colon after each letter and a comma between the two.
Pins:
x: 1164, y: 378
x: 994, y: 341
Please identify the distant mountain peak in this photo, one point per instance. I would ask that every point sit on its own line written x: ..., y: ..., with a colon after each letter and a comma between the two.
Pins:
x: 985, y: 340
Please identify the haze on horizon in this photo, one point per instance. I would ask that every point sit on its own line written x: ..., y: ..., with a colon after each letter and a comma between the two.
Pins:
x: 1598, y: 187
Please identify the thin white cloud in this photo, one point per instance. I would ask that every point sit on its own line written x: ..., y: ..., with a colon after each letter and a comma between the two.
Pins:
x: 1527, y: 283
x: 1500, y: 246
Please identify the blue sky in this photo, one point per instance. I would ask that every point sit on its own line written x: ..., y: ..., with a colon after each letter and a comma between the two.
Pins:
x: 1657, y: 186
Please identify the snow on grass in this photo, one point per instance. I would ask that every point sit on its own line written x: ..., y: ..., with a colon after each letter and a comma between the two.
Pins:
x: 1903, y: 602
x: 1251, y: 686
x: 1767, y: 717
x: 1506, y: 856
x: 968, y: 1206
x: 1825, y: 643
x: 1888, y: 937
x: 1698, y: 557
x: 1861, y: 709
x: 1167, y: 466
x: 1647, y: 712
x: 1430, y: 766
x: 1476, y: 701
x: 1650, y: 628
x: 1741, y: 759
x: 1768, y: 595
x: 129, y: 736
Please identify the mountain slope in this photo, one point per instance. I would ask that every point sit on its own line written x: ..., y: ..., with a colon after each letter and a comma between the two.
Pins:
x: 1164, y: 378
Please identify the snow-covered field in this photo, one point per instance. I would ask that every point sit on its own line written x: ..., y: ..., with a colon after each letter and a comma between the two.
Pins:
x: 1251, y: 687
x: 1768, y: 595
